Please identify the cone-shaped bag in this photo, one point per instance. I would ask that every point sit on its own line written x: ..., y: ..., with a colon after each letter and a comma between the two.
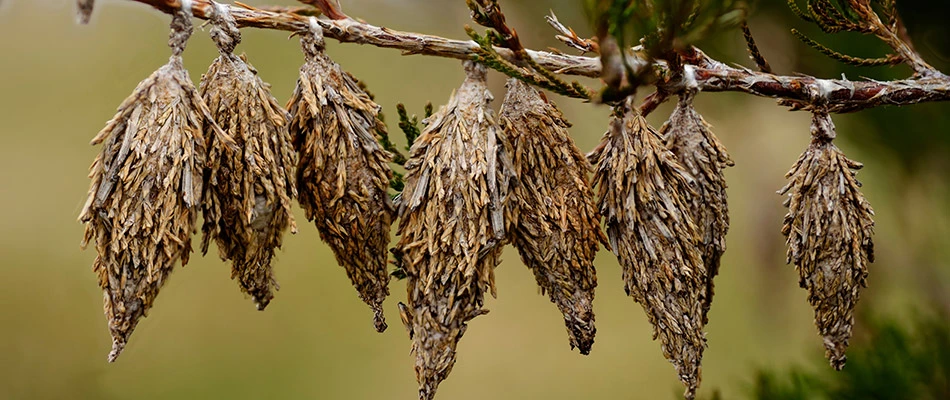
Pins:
x: 644, y: 199
x: 343, y: 172
x: 452, y: 224
x: 699, y: 151
x: 552, y: 219
x: 146, y: 189
x: 250, y: 187
x: 829, y: 227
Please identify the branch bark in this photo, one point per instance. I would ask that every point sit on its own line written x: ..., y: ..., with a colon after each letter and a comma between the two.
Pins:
x: 798, y: 92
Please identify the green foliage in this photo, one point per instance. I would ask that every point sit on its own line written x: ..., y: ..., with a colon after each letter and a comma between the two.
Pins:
x: 890, y: 361
x: 898, y: 363
x: 662, y: 25
x: 383, y: 136
x: 410, y: 125
x: 834, y: 16
x: 396, y: 182
x: 856, y: 61
x: 769, y: 385
x: 533, y: 74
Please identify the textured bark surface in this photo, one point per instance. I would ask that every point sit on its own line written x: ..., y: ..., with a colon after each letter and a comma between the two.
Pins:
x: 699, y: 151
x: 343, y: 173
x: 247, y: 202
x: 709, y: 75
x: 452, y: 225
x: 145, y: 192
x: 829, y: 227
x: 552, y: 219
x: 644, y: 197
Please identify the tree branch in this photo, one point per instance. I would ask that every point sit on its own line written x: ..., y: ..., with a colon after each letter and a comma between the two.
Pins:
x: 798, y: 92
x: 840, y: 96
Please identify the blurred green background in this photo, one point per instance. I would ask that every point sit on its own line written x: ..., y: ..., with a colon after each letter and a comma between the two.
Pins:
x: 60, y: 82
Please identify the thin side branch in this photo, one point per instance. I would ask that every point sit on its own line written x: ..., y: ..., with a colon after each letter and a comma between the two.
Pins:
x: 754, y: 52
x: 891, y: 59
x: 889, y: 35
x: 710, y: 75
x: 570, y: 38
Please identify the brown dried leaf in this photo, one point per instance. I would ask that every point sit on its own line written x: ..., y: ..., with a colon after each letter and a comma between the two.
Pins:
x: 452, y: 224
x: 699, y: 151
x: 250, y: 186
x: 829, y: 227
x: 644, y: 198
x: 343, y: 173
x: 145, y: 191
x: 552, y: 219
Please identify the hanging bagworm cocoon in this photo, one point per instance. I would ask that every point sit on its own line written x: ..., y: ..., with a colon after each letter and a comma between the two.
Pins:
x: 146, y: 188
x: 699, y: 151
x: 452, y: 224
x: 84, y: 10
x: 828, y: 226
x: 248, y: 196
x: 552, y: 219
x: 644, y: 199
x: 343, y: 173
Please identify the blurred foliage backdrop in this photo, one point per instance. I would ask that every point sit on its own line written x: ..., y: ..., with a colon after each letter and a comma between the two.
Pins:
x: 60, y: 82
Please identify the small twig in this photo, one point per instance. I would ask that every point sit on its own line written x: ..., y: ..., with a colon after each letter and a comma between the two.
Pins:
x: 487, y: 13
x: 519, y: 69
x: 793, y: 5
x: 327, y: 8
x: 891, y: 59
x: 651, y: 102
x: 760, y: 61
x: 859, y: 16
x: 570, y: 38
x: 901, y: 47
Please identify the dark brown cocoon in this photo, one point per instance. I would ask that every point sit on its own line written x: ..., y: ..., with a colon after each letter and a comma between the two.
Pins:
x: 552, y: 219
x: 250, y: 186
x: 452, y: 224
x: 699, y: 151
x: 343, y: 173
x: 644, y: 197
x: 829, y: 227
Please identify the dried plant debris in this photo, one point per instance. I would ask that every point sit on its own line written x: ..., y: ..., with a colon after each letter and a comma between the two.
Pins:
x: 452, y: 224
x: 699, y: 151
x: 552, y: 219
x: 829, y: 226
x: 250, y: 185
x: 146, y: 189
x: 83, y: 10
x: 343, y: 172
x: 644, y: 197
